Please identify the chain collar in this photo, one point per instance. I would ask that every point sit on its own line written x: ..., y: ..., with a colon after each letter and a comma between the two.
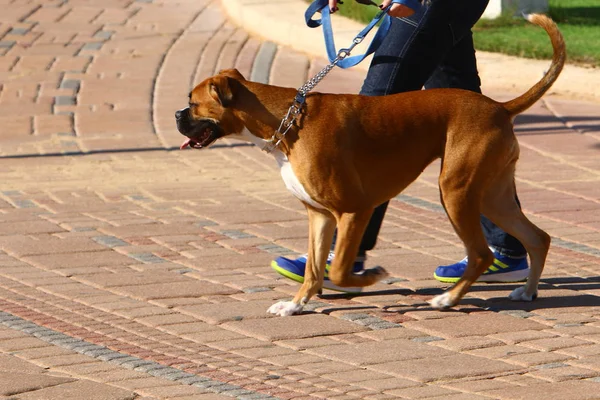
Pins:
x: 286, y: 123
x: 298, y: 103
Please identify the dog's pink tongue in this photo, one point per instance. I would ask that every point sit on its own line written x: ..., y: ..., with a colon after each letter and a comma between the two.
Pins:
x: 185, y: 144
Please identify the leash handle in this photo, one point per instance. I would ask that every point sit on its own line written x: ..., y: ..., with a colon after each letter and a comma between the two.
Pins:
x: 341, y: 58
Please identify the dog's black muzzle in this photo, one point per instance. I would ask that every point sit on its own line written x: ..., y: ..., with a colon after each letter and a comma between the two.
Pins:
x: 201, y: 133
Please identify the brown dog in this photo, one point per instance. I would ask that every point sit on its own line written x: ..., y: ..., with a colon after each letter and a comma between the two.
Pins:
x: 349, y: 153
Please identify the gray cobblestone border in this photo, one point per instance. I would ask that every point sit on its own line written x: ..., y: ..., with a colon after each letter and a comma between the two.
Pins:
x: 138, y: 364
x: 261, y: 69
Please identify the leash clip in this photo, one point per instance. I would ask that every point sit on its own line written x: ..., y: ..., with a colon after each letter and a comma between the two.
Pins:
x: 343, y: 53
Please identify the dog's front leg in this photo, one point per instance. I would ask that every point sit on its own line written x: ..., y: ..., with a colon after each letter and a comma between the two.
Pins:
x: 320, y: 236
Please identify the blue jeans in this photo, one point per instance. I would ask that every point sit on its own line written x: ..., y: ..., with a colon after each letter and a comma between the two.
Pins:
x: 433, y: 49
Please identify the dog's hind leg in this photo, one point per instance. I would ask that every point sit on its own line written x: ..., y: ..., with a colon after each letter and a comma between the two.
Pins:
x: 502, y: 209
x: 320, y: 236
x: 351, y: 227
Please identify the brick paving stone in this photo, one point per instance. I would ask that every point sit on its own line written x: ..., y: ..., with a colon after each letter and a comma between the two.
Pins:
x: 501, y: 351
x: 29, y: 227
x: 392, y: 334
x: 461, y: 396
x: 91, y: 368
x: 180, y: 329
x: 301, y: 326
x: 263, y: 351
x: 171, y: 391
x: 380, y: 352
x: 21, y: 344
x: 554, y: 343
x: 208, y: 396
x: 322, y: 368
x: 522, y: 336
x: 356, y: 375
x: 238, y: 344
x: 388, y: 384
x: 75, y: 390
x: 569, y: 390
x: 57, y: 361
x: 145, y: 382
x: 9, y: 363
x: 23, y: 246
x: 34, y: 353
x: 292, y: 359
x: 213, y: 336
x: 117, y: 375
x: 449, y: 367
x: 79, y: 259
x: 537, y: 358
x: 581, y: 351
x: 132, y: 278
x: 468, y: 343
x: 149, y: 230
x: 576, y: 330
x: 165, y: 319
x: 587, y: 362
x: 18, y: 382
x: 219, y: 313
x: 474, y: 325
x: 562, y: 372
x: 475, y: 386
x: 307, y: 343
x: 189, y: 288
x: 422, y: 391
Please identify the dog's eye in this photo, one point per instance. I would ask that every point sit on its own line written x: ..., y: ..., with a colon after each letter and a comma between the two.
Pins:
x: 193, y: 104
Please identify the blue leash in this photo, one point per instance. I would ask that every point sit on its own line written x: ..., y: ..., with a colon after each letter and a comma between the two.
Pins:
x: 343, y: 61
x: 340, y: 58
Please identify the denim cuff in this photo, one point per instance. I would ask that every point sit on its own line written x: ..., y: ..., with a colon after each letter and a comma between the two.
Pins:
x: 507, y: 253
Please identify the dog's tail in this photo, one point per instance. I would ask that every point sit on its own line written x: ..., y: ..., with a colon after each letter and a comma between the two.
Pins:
x: 526, y: 100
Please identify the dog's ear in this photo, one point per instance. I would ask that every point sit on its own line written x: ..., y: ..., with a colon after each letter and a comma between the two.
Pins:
x: 221, y: 90
x: 232, y: 73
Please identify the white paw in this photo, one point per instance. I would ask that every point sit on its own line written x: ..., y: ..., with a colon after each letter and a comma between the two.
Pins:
x: 285, y: 308
x: 442, y: 302
x: 519, y: 294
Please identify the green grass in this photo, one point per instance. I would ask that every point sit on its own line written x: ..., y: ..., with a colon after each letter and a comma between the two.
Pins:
x: 578, y: 20
x: 358, y: 12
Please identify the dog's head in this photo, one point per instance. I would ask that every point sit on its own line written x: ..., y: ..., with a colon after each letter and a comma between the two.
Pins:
x: 209, y: 115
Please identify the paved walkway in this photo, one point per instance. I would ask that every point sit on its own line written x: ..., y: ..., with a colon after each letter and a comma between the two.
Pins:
x: 129, y: 269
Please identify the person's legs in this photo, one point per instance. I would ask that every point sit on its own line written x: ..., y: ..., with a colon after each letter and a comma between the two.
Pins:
x: 454, y: 65
x: 433, y: 48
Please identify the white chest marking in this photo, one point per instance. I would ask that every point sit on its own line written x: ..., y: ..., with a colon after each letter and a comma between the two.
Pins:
x: 285, y: 168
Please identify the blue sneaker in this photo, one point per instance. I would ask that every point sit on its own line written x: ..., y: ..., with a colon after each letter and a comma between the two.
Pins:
x: 504, y: 269
x: 294, y: 270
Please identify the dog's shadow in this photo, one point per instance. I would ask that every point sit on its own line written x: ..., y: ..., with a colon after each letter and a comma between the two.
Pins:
x: 569, y: 295
x: 546, y: 299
